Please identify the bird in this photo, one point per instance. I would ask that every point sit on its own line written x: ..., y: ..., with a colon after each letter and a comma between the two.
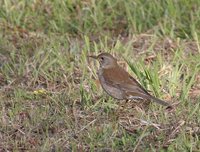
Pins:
x: 118, y: 83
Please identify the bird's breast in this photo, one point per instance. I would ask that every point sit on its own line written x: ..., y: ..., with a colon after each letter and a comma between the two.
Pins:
x: 109, y: 88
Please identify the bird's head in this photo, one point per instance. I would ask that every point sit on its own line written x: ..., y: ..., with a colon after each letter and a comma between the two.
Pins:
x: 106, y: 60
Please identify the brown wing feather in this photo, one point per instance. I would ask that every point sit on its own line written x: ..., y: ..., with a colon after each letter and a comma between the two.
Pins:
x: 118, y: 77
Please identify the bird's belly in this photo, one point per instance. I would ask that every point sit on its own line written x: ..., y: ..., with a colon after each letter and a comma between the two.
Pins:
x: 112, y: 91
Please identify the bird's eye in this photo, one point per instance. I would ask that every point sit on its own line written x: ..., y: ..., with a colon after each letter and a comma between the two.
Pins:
x: 101, y: 59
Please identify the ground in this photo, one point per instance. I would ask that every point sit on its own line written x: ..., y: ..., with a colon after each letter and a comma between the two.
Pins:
x: 50, y: 98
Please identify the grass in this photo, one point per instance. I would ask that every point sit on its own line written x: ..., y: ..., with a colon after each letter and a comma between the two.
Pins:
x: 50, y: 99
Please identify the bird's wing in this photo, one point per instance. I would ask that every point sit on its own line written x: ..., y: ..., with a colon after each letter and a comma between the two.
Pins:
x: 135, y: 91
x: 138, y: 84
x: 119, y: 78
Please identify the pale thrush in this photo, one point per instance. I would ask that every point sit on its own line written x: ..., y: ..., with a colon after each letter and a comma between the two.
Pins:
x: 120, y: 84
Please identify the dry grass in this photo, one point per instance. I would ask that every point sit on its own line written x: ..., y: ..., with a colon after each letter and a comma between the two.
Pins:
x: 51, y: 100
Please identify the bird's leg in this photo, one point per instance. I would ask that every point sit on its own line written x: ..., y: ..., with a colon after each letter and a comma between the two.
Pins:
x: 121, y: 106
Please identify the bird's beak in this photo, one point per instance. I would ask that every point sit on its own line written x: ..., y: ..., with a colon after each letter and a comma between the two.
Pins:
x: 92, y: 56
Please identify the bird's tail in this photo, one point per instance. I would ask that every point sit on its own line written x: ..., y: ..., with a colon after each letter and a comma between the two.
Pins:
x: 159, y: 101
